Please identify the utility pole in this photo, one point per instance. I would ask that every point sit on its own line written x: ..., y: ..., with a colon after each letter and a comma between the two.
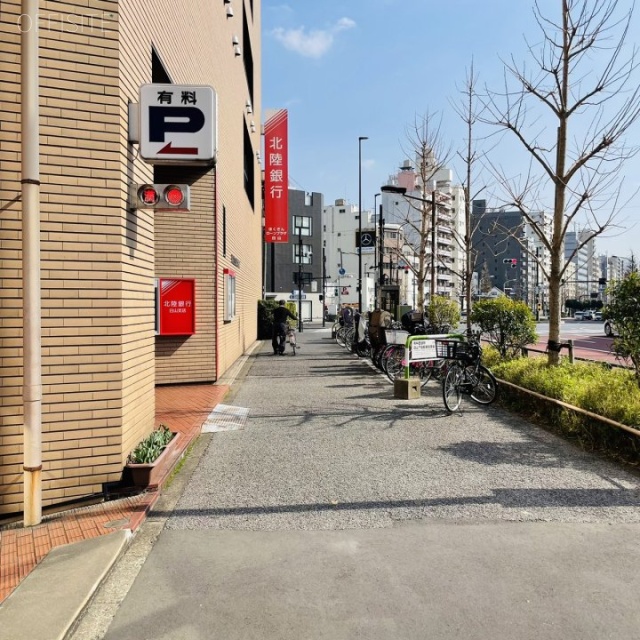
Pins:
x: 360, y: 139
x: 300, y: 279
x: 380, y: 256
x: 537, y: 283
x: 432, y: 290
x: 324, y: 286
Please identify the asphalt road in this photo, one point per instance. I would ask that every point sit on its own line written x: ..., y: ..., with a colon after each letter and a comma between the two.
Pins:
x: 339, y: 511
x: 588, y: 338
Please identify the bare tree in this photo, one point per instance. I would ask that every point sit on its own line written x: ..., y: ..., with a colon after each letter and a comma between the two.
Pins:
x: 425, y: 144
x: 583, y: 92
x: 468, y: 112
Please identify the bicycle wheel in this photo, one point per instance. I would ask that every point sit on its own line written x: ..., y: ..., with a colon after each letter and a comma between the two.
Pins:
x: 341, y: 336
x: 422, y: 370
x: 386, y: 354
x: 451, y: 387
x: 395, y: 364
x: 483, y: 385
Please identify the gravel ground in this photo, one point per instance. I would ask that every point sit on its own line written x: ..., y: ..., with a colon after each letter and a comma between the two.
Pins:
x: 327, y: 446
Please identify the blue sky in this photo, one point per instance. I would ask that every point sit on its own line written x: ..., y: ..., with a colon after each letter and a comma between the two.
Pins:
x: 345, y: 69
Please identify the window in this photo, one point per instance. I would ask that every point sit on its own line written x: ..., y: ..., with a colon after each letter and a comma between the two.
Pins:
x: 224, y: 230
x: 306, y: 253
x: 302, y: 225
x: 229, y: 295
x: 249, y: 167
x: 247, y: 55
x: 159, y: 74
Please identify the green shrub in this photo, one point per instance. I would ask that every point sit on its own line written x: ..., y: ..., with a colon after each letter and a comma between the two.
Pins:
x: 443, y: 312
x: 265, y: 318
x: 151, y: 447
x: 506, y: 324
x: 624, y: 310
x: 610, y: 393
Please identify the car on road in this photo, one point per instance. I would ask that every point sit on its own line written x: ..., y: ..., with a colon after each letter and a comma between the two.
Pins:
x: 598, y: 316
x: 578, y: 315
x: 587, y: 315
x: 609, y: 328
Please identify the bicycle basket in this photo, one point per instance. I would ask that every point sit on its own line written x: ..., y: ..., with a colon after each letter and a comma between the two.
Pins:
x: 452, y: 349
x: 396, y: 336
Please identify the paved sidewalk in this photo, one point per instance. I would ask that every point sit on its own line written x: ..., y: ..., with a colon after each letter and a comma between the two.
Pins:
x: 183, y: 408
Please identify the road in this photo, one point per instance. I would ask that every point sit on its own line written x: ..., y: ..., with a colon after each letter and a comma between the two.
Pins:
x: 588, y: 339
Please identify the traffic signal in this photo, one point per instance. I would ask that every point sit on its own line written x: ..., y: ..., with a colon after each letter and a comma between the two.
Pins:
x: 512, y: 261
x: 161, y: 197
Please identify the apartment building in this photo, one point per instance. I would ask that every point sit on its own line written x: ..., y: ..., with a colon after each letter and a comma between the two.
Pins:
x: 104, y: 265
x: 447, y: 253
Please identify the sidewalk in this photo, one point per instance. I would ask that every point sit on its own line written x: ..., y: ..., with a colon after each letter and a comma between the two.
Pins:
x: 183, y: 408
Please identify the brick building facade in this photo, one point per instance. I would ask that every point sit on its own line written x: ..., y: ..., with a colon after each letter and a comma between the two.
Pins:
x: 101, y: 357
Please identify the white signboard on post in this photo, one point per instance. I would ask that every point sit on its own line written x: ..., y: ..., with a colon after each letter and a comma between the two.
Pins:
x: 423, y: 349
x: 178, y: 124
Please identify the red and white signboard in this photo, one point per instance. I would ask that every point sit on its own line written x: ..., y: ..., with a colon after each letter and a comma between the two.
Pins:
x: 276, y: 177
x: 177, y: 306
x: 178, y: 124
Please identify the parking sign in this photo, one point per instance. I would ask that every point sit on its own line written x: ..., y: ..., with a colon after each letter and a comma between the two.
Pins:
x: 178, y: 124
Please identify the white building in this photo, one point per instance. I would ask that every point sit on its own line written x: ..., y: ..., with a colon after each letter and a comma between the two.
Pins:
x: 407, y: 211
x: 340, y: 225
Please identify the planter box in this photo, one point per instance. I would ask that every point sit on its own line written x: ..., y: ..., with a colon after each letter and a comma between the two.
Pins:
x: 151, y: 475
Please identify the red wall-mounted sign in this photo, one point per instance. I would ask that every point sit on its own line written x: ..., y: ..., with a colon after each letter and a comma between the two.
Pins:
x: 276, y: 177
x: 177, y: 302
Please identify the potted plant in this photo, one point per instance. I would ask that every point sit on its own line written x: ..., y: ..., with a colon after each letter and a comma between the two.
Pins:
x: 151, y: 460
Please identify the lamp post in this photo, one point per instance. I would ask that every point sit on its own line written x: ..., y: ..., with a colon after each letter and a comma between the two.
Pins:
x: 375, y: 254
x: 360, y: 139
x: 300, y: 279
x: 324, y: 286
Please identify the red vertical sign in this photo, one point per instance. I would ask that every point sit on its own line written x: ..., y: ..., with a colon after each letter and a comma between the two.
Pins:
x: 177, y: 307
x: 276, y: 177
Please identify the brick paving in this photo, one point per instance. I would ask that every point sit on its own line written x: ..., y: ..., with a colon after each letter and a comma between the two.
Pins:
x: 182, y: 408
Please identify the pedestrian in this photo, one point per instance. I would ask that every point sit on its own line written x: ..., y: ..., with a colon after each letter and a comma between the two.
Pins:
x: 280, y: 315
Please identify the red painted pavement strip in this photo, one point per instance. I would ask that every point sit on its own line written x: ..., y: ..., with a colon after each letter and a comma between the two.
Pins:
x: 183, y: 408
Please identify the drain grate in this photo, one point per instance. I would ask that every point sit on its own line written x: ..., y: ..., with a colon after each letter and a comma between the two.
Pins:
x: 225, y: 417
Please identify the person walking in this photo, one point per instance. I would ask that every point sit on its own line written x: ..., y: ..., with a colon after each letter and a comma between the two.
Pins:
x: 280, y: 316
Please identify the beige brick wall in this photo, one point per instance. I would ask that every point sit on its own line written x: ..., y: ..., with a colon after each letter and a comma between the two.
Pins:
x: 98, y: 259
x: 185, y: 249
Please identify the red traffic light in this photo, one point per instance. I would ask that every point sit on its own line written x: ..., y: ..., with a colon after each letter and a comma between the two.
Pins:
x: 161, y: 197
x: 148, y: 195
x: 174, y: 195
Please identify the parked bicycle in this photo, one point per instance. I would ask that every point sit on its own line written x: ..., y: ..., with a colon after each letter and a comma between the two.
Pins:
x: 465, y: 374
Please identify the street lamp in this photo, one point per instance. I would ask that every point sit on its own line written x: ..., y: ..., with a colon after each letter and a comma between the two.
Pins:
x: 300, y: 279
x: 375, y: 252
x: 360, y: 139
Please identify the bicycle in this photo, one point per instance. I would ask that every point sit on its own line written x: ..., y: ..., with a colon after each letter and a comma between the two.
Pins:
x: 291, y: 338
x: 465, y: 374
